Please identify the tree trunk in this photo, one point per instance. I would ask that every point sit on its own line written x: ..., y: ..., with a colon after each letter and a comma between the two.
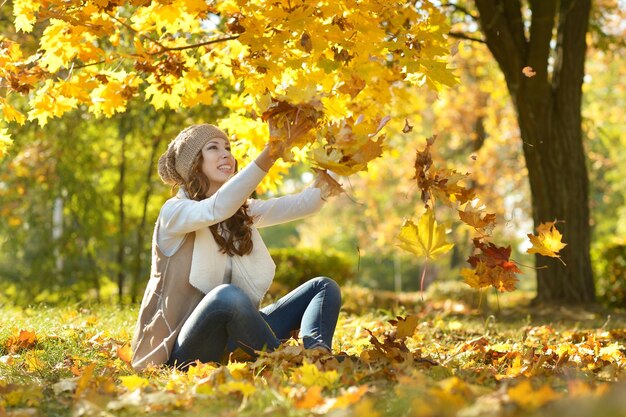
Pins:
x: 139, y: 256
x: 548, y: 107
x: 121, y: 248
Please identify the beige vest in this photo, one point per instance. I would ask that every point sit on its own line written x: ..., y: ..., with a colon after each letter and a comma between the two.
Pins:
x: 167, y: 303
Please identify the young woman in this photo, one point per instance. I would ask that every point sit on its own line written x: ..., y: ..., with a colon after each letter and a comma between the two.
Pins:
x: 210, y: 267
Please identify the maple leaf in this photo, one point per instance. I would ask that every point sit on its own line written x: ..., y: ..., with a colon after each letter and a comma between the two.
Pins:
x: 426, y: 238
x: 477, y: 218
x: 405, y: 326
x: 327, y: 184
x: 20, y: 340
x: 5, y: 141
x: 547, y: 242
x: 310, y: 398
x: 125, y: 353
x: 11, y: 113
x: 525, y: 396
x: 309, y: 375
x: 493, y: 255
x: 472, y: 279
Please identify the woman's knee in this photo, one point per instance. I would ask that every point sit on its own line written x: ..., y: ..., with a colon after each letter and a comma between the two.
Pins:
x: 229, y: 297
x: 329, y: 285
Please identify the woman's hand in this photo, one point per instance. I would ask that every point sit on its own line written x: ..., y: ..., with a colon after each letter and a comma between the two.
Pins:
x: 282, y: 139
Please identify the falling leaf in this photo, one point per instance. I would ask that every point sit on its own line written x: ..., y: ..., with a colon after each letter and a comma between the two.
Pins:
x: 472, y: 279
x: 407, y: 127
x: 478, y: 219
x: 547, y: 242
x: 529, y: 72
x: 424, y: 239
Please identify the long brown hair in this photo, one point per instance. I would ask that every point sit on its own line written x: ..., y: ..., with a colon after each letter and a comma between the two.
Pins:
x: 239, y: 241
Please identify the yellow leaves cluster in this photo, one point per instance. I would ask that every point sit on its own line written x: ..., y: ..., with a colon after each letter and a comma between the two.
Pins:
x: 423, y: 364
x: 25, y: 12
x: 345, y: 56
x: 491, y: 264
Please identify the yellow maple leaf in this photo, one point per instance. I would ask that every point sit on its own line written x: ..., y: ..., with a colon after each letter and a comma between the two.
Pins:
x: 547, y: 242
x: 472, y: 279
x: 133, y: 382
x: 11, y: 113
x: 405, y: 327
x: 243, y: 387
x: 24, y: 12
x: 309, y: 375
x: 426, y: 238
x: 5, y: 141
x: 525, y: 396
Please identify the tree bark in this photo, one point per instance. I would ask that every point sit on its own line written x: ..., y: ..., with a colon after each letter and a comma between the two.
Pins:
x: 548, y: 108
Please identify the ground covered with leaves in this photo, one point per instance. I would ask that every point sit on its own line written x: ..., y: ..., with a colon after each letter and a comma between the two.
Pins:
x: 412, y: 358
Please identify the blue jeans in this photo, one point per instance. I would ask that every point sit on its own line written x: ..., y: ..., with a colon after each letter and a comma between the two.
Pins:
x: 225, y: 319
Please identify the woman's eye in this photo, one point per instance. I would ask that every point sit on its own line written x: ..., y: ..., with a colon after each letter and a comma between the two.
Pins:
x: 212, y: 147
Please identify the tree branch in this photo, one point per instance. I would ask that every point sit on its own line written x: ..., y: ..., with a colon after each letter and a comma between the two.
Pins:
x: 195, y: 45
x: 461, y: 35
x: 502, y: 43
x: 461, y: 9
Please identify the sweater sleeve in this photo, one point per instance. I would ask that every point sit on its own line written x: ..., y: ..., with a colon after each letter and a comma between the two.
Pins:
x: 285, y: 209
x: 180, y: 216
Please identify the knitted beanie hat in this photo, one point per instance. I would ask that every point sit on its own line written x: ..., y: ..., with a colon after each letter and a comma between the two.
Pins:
x: 175, y: 163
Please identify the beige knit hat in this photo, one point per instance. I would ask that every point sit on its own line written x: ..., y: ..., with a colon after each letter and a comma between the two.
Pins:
x: 175, y: 163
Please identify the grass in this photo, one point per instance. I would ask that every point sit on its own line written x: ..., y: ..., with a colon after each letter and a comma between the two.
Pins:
x: 456, y: 361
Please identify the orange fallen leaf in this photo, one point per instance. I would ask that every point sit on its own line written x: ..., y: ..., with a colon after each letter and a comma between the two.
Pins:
x: 350, y: 396
x: 312, y: 397
x: 19, y: 340
x: 125, y: 353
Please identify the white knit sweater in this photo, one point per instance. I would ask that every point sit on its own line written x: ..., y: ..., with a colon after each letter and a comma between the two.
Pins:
x: 253, y: 273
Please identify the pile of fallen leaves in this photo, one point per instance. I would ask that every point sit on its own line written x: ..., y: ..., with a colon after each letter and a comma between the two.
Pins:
x: 443, y: 359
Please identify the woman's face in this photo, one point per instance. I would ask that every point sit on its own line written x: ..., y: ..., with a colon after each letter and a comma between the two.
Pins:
x: 218, y: 163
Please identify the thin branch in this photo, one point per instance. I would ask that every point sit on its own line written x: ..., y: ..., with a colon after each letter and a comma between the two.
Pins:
x: 104, y: 61
x: 141, y: 35
x: 461, y: 35
x: 195, y: 45
x: 461, y: 9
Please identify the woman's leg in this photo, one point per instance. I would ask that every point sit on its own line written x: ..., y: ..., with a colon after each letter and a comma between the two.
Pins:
x: 313, y: 308
x: 224, y: 313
